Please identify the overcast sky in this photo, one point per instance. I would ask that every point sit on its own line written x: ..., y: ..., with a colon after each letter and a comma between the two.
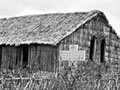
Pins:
x: 111, y: 8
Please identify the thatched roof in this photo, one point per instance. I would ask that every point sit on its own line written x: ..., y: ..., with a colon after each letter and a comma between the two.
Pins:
x: 42, y: 29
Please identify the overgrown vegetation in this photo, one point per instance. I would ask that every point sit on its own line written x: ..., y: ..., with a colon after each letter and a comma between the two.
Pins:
x: 82, y: 76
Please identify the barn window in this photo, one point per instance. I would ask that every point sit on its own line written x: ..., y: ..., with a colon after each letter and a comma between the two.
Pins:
x: 102, y: 51
x: 92, y: 47
x: 25, y: 56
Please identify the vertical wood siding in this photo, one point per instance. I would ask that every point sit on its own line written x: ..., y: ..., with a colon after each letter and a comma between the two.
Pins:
x: 8, y: 57
x: 41, y: 57
x: 82, y: 36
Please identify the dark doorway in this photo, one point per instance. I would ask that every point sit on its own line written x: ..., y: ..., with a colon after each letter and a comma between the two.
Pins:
x: 25, y: 56
x: 102, y: 57
x: 92, y: 48
x: 0, y: 56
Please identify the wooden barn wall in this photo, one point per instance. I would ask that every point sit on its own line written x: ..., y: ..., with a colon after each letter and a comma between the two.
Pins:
x: 113, y: 49
x: 43, y: 57
x: 8, y: 56
x: 82, y: 36
x: 11, y: 56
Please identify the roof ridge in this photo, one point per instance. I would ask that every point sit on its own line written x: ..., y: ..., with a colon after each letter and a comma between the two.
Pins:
x: 5, y: 18
x: 27, y: 30
x: 94, y: 12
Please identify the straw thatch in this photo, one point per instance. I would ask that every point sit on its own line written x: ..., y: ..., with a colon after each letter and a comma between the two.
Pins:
x: 42, y: 29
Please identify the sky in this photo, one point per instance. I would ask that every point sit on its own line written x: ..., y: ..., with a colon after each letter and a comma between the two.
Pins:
x: 111, y: 8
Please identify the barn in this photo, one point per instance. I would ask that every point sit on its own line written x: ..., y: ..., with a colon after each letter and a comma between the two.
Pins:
x: 44, y: 41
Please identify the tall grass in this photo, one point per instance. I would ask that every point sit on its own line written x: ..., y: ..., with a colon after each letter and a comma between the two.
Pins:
x: 83, y: 76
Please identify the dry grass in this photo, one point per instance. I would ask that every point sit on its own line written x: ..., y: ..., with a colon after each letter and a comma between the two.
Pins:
x: 86, y: 76
x: 23, y: 80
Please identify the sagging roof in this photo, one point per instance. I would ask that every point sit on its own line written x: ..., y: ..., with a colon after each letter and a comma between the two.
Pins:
x: 42, y: 29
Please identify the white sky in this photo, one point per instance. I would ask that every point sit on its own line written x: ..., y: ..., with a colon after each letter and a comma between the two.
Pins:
x: 10, y: 8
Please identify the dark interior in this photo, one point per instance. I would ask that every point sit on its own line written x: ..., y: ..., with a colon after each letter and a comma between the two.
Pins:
x: 25, y: 56
x: 92, y: 47
x: 102, y: 51
x: 0, y: 56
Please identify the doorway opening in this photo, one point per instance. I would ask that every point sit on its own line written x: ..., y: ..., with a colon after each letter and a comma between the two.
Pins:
x: 25, y: 56
x: 0, y: 56
x: 102, y: 55
x: 92, y: 48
